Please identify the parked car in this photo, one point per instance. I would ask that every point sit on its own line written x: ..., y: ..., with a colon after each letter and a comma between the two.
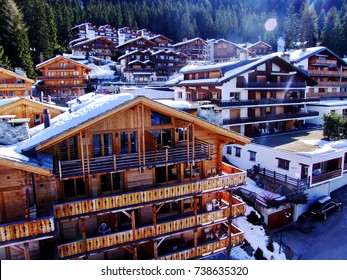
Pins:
x: 323, y: 207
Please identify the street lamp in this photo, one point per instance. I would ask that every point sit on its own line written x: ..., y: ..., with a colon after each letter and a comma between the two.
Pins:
x: 284, y: 215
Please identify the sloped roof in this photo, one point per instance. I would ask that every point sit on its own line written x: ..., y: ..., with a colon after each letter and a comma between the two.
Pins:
x: 15, y: 75
x: 93, y: 39
x: 188, y: 42
x: 51, y: 60
x: 230, y: 70
x: 10, y: 102
x: 89, y: 112
x: 296, y: 56
x: 134, y: 40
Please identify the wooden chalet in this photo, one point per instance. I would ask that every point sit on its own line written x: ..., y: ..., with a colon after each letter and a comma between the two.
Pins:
x: 148, y: 65
x: 28, y: 108
x: 223, y: 50
x: 130, y: 179
x: 162, y: 42
x: 62, y: 78
x: 13, y: 84
x: 259, y: 48
x: 99, y: 47
x: 195, y: 49
x: 326, y: 68
x: 140, y: 43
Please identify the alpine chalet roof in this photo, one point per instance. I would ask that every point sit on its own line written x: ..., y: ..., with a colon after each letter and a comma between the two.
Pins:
x: 301, y: 54
x: 134, y: 40
x: 98, y: 38
x: 230, y: 70
x: 15, y: 75
x: 51, y: 60
x: 188, y: 42
x: 87, y: 113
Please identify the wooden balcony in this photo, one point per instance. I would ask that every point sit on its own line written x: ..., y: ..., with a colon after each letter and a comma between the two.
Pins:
x: 120, y: 162
x: 70, y: 77
x: 148, y: 196
x: 249, y: 102
x: 62, y: 68
x: 14, y: 86
x: 273, y: 85
x: 23, y: 231
x: 327, y: 73
x: 119, y: 239
x: 61, y: 86
x: 326, y: 176
x: 327, y: 94
x: 207, y: 248
x: 267, y: 118
x: 319, y: 61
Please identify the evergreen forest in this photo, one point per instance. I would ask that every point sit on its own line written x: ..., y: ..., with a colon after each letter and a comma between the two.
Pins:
x: 32, y: 31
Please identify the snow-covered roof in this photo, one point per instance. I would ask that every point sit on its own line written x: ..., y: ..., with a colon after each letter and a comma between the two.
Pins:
x: 102, y: 71
x: 301, y: 54
x: 188, y: 42
x: 58, y: 57
x: 91, y: 40
x: 257, y: 43
x: 5, y: 101
x: 329, y: 103
x: 16, y: 75
x: 80, y: 114
x: 134, y: 40
x: 230, y: 70
x: 176, y: 104
x: 154, y: 93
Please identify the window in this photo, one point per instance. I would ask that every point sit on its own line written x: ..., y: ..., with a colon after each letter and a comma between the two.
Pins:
x: 68, y: 149
x: 252, y: 155
x: 283, y: 163
x: 229, y: 149
x: 37, y: 119
x: 165, y: 174
x: 237, y: 152
x: 74, y: 188
x: 128, y: 142
x: 179, y: 94
x: 163, y: 137
x: 157, y: 118
x: 234, y: 95
x: 102, y: 144
x: 111, y: 183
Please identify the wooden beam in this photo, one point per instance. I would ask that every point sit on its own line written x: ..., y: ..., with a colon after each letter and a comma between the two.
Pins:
x: 82, y: 152
x: 84, y: 236
x: 25, y: 167
x: 126, y: 214
x: 155, y: 249
x: 26, y: 251
x: 154, y: 217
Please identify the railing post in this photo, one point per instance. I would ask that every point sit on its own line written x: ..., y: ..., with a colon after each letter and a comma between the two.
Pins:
x: 59, y: 165
x: 114, y: 162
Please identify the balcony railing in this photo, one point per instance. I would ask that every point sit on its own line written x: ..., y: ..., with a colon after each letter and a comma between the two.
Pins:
x: 206, y: 249
x: 14, y: 86
x: 326, y: 176
x: 70, y: 77
x: 149, y: 196
x: 327, y: 94
x: 332, y: 83
x: 272, y: 85
x: 22, y: 231
x: 325, y: 62
x: 234, y: 103
x: 202, y: 151
x: 114, y: 240
x: 62, y: 68
x: 328, y: 73
x: 270, y: 117
x: 61, y: 86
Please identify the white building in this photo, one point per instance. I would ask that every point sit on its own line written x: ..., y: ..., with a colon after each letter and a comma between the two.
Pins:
x: 299, y: 161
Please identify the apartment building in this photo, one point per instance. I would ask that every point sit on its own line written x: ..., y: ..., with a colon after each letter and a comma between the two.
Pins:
x: 256, y: 96
x: 119, y: 177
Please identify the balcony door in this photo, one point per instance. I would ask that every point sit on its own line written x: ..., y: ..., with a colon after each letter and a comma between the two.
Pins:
x: 102, y: 144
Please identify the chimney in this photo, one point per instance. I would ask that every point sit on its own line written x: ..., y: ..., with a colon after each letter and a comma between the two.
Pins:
x: 244, y: 55
x: 46, y: 118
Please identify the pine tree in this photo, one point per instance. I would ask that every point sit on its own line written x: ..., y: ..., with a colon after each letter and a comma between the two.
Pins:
x: 4, y: 61
x: 14, y: 37
x: 308, y: 25
x: 331, y: 32
x: 290, y: 27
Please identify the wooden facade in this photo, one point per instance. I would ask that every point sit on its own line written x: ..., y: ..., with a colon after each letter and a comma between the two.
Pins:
x: 142, y: 181
x: 62, y: 77
x: 13, y: 84
x: 28, y: 108
x: 99, y: 47
x: 195, y: 49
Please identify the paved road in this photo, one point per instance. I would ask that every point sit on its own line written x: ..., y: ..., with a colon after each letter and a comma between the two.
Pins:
x: 325, y: 241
